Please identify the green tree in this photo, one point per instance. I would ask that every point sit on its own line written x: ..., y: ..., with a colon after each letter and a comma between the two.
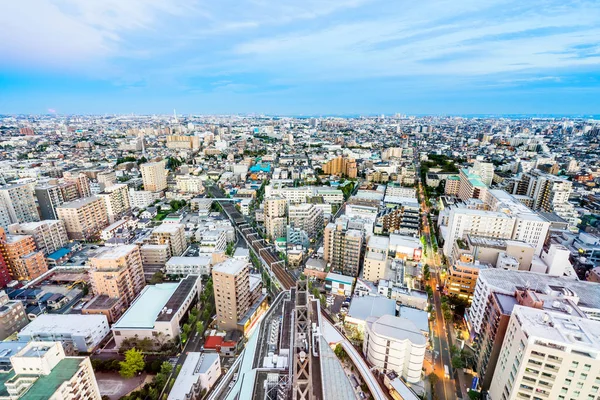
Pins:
x: 166, y: 368
x: 134, y: 363
x: 199, y: 327
x: 157, y: 277
x: 340, y: 352
x: 457, y: 362
x: 184, y: 337
x: 187, y: 328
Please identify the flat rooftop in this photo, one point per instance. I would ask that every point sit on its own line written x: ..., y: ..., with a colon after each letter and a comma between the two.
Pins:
x: 230, y: 266
x: 194, y: 365
x: 47, y: 384
x: 362, y: 308
x: 112, y: 253
x: 79, y: 202
x: 397, y: 328
x: 145, y: 309
x: 64, y: 323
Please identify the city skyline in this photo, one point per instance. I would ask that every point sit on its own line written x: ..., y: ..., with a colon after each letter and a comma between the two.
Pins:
x: 338, y: 57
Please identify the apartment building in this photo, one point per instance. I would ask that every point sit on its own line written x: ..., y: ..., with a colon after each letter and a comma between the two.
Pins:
x: 5, y: 277
x: 462, y: 276
x: 48, y: 235
x: 19, y: 204
x: 275, y: 209
x: 395, y: 344
x: 547, y: 355
x: 48, y: 198
x: 83, y: 332
x: 452, y: 185
x: 549, y: 192
x: 586, y: 295
x: 485, y: 171
x: 471, y: 186
x: 81, y: 181
x: 116, y: 200
x: 154, y: 176
x: 12, y: 316
x: 231, y: 284
x: 398, y: 218
x: 341, y: 166
x: 189, y: 184
x: 41, y: 370
x: 306, y: 217
x: 142, y: 198
x: 199, y: 373
x: 84, y: 218
x: 342, y: 247
x: 376, y: 258
x: 463, y: 221
x: 22, y: 258
x: 172, y: 235
x: 117, y: 277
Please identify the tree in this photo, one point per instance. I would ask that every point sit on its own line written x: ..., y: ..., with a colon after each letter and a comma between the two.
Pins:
x: 134, y: 363
x: 157, y: 277
x: 166, y: 368
x: 340, y: 352
x: 457, y: 362
x: 184, y: 337
x: 199, y: 327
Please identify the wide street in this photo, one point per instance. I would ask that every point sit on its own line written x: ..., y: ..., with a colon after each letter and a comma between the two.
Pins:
x: 446, y: 387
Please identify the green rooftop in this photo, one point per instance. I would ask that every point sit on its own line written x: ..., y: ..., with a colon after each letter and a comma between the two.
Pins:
x: 48, y: 384
x: 4, y: 377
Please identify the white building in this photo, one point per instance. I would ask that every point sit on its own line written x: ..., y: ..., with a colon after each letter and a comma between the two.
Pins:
x: 42, y: 371
x: 199, y: 371
x: 199, y: 265
x: 17, y: 204
x: 395, y: 344
x: 157, y: 312
x: 49, y: 235
x: 142, y: 198
x: 84, y: 332
x: 586, y: 295
x: 547, y: 355
x: 117, y: 201
x: 211, y: 240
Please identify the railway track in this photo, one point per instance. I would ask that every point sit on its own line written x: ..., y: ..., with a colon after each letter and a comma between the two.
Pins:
x: 264, y: 251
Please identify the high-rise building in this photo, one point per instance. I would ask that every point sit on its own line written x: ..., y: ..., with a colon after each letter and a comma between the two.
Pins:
x: 12, y: 316
x: 341, y: 166
x: 342, y: 247
x: 231, y: 285
x: 19, y: 203
x: 154, y: 175
x: 307, y: 217
x: 117, y: 277
x: 550, y: 193
x: 376, y: 258
x: 23, y: 259
x: 189, y: 184
x: 81, y: 181
x: 41, y: 370
x: 5, y: 277
x: 49, y: 197
x: 49, y: 235
x: 275, y: 217
x: 547, y: 355
x: 170, y: 234
x: 84, y: 218
x: 116, y: 199
x: 471, y: 186
x: 485, y: 170
x: 395, y: 344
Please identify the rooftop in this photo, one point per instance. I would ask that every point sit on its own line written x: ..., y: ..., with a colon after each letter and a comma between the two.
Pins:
x: 48, y: 384
x: 112, y: 253
x: 396, y: 328
x: 145, y: 309
x: 507, y: 281
x: 194, y: 365
x: 167, y: 228
x: 231, y: 266
x: 79, y: 202
x: 362, y: 308
x: 64, y: 323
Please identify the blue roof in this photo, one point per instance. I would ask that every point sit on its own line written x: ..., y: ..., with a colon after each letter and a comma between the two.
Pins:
x: 60, y: 253
x: 144, y: 310
x: 266, y: 167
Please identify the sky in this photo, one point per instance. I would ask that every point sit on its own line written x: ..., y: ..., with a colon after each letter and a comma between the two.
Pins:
x: 300, y: 57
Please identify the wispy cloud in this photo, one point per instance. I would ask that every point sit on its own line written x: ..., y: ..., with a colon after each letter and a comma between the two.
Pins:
x: 266, y: 46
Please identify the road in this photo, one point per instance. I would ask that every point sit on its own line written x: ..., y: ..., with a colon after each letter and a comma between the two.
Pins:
x: 447, y: 387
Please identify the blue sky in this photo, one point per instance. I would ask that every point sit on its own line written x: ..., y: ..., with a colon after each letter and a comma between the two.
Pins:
x: 300, y: 56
